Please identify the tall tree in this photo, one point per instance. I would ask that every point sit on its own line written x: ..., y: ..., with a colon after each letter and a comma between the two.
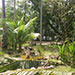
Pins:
x: 14, y: 10
x: 41, y: 22
x: 5, y: 44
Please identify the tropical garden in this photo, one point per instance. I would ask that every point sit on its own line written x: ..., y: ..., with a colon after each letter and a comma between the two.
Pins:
x: 37, y: 37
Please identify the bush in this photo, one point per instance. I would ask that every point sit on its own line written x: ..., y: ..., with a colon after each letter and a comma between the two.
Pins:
x: 67, y: 52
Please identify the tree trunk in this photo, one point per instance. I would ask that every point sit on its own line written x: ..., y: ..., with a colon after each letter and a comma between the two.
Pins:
x: 15, y: 45
x: 41, y: 22
x: 25, y: 12
x: 14, y: 10
x: 5, y: 44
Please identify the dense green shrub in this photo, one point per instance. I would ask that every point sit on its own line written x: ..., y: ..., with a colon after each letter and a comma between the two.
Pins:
x: 67, y: 52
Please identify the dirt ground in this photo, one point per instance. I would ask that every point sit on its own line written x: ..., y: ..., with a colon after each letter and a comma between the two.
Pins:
x: 46, y: 43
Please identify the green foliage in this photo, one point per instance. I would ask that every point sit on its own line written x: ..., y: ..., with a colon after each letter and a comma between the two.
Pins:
x: 67, y: 52
x: 9, y: 66
x: 62, y: 17
x: 19, y: 33
x: 73, y: 74
x: 57, y: 14
x: 38, y: 73
x: 1, y: 53
x: 51, y: 74
x: 39, y: 49
x: 58, y: 17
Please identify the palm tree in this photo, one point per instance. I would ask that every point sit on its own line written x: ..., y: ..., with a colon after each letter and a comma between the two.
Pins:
x: 5, y: 44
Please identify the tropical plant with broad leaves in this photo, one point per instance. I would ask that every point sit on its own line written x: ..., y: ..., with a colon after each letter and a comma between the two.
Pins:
x: 25, y: 32
x: 18, y: 33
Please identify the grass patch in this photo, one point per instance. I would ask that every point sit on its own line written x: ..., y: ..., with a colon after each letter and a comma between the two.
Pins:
x: 64, y: 69
x: 48, y: 49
